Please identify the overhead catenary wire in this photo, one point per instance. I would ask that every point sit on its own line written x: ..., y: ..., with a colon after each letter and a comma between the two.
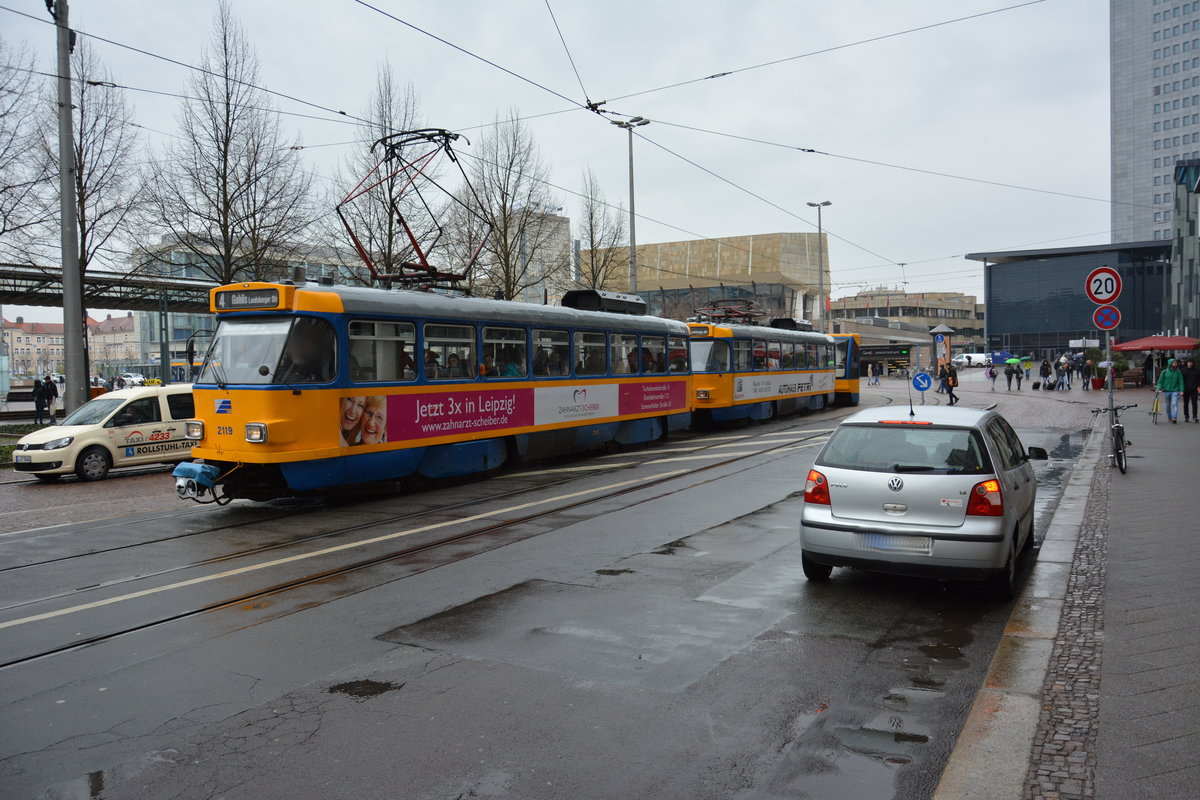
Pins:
x: 567, y: 50
x: 871, y: 40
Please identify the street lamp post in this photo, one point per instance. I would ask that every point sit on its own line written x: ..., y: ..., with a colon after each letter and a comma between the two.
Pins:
x: 821, y: 260
x: 629, y: 125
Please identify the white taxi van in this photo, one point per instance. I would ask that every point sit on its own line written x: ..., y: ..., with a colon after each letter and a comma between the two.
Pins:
x: 143, y: 425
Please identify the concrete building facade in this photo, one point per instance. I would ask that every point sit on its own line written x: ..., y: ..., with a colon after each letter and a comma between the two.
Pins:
x: 920, y: 309
x: 788, y: 259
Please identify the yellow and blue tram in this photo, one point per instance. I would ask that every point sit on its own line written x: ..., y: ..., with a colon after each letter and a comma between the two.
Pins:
x: 757, y: 372
x: 307, y: 387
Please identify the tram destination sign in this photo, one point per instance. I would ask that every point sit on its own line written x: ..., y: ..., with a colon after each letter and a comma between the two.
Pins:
x: 237, y: 299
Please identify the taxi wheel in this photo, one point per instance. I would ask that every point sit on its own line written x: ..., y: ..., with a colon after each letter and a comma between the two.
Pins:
x: 93, y: 464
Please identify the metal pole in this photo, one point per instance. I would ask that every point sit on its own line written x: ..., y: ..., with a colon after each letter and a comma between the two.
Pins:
x: 633, y: 287
x: 74, y: 344
x: 820, y: 272
x: 1112, y: 379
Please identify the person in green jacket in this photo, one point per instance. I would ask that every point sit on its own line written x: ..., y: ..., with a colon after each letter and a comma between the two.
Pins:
x: 1170, y: 383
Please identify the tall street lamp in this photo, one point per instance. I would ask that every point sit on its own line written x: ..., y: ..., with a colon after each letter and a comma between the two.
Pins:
x: 629, y: 125
x: 821, y: 262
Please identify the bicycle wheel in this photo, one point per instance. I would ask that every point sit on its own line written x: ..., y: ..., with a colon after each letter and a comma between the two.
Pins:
x: 1119, y: 449
x: 1154, y: 409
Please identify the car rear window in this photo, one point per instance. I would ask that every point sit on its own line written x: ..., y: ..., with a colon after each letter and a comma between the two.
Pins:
x: 906, y: 448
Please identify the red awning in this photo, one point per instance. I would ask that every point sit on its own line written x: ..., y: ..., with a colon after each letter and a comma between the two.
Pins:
x: 1158, y: 343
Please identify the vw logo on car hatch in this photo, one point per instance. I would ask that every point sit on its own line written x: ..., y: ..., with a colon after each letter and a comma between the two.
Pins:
x: 896, y: 484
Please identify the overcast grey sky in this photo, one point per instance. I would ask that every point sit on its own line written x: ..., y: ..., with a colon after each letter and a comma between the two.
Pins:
x: 1015, y: 97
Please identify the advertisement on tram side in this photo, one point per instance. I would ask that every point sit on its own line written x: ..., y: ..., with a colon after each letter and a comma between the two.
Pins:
x: 376, y: 419
x: 766, y: 387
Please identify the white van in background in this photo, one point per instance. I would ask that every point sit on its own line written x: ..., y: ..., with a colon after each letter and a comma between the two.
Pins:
x: 971, y: 360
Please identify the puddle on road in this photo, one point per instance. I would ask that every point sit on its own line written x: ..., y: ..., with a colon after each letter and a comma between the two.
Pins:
x: 1052, y: 474
x: 363, y: 689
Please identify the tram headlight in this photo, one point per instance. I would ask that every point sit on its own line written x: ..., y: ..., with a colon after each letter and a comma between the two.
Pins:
x: 193, y: 429
x: 702, y: 394
x: 256, y: 432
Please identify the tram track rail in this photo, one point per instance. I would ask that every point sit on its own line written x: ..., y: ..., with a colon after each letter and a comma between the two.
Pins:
x: 372, y: 561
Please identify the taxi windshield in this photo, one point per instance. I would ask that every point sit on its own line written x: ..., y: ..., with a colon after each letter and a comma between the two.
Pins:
x: 93, y: 412
x: 270, y: 350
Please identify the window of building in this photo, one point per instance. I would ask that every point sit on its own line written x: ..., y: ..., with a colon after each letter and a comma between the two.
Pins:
x: 1157, y: 127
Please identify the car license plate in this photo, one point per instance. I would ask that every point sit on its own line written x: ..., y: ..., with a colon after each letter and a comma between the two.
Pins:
x: 887, y: 542
x: 24, y: 459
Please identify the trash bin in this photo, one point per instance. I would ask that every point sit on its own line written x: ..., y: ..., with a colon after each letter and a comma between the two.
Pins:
x: 1097, y: 383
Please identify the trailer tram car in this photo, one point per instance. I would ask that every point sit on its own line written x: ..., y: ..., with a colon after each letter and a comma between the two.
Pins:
x: 758, y: 372
x: 313, y: 386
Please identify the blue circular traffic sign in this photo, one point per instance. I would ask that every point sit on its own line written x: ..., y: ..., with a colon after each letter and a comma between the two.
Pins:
x: 1106, y: 317
x: 939, y: 338
x: 922, y: 381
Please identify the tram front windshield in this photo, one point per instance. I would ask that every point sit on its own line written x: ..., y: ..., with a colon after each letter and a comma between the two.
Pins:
x: 276, y: 350
x: 710, y: 355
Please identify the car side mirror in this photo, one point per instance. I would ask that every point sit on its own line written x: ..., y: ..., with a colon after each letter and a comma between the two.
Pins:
x: 1038, y: 453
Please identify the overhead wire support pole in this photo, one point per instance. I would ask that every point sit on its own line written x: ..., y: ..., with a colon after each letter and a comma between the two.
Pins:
x: 629, y: 125
x: 74, y: 344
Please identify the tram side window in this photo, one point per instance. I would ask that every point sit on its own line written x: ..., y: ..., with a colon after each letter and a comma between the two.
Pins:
x: 449, y: 352
x: 382, y: 351
x: 551, y: 353
x: 589, y: 353
x: 787, y: 359
x: 760, y: 355
x: 503, y: 353
x: 774, y: 355
x: 624, y: 357
x: 677, y: 354
x: 309, y: 356
x: 743, y: 355
x: 654, y: 355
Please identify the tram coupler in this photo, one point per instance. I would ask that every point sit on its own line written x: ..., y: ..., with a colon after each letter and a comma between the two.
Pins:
x: 194, y: 480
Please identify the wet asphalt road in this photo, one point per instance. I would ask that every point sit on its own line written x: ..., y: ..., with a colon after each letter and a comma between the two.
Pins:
x: 654, y: 639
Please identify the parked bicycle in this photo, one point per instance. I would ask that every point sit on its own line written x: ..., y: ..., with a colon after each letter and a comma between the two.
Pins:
x: 1156, y: 407
x: 1117, y: 431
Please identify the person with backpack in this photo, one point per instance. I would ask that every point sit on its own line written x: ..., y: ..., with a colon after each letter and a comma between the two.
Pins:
x: 1044, y: 372
x: 991, y: 373
x: 951, y: 382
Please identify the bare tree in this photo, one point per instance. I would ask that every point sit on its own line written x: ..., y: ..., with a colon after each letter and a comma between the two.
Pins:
x: 232, y: 192
x: 108, y: 181
x: 21, y: 170
x: 601, y: 232
x: 393, y: 108
x: 530, y: 244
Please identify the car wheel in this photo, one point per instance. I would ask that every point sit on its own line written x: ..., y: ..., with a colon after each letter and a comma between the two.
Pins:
x: 93, y: 464
x: 814, y: 571
x: 1004, y: 584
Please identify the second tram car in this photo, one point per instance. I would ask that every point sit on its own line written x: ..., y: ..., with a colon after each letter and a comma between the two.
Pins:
x: 756, y: 372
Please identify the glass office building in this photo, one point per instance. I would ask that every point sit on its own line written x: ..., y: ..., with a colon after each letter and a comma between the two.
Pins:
x: 1036, y: 303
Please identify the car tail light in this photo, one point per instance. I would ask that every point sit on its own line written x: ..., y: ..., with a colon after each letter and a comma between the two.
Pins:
x: 816, y: 488
x: 986, y: 500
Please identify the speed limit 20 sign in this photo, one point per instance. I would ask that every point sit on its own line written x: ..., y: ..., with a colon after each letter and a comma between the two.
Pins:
x: 1103, y: 285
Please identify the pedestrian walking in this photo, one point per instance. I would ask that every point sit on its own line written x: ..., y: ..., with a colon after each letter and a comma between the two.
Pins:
x: 39, y: 403
x: 50, y: 392
x: 943, y: 374
x: 991, y: 373
x: 951, y: 383
x: 1044, y: 372
x: 1018, y: 377
x: 1085, y: 374
x: 1191, y: 389
x: 1028, y: 365
x: 1170, y: 383
x: 1009, y: 371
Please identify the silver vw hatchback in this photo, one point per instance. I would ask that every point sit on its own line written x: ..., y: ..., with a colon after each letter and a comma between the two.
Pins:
x: 936, y: 491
